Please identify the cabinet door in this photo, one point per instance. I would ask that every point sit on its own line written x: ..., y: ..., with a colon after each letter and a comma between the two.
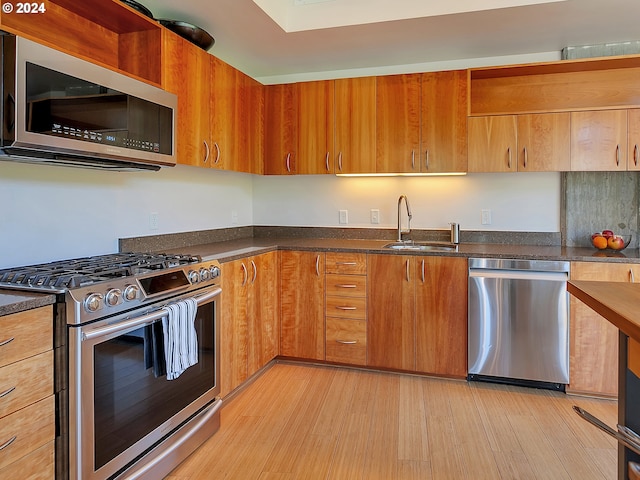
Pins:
x: 599, y: 140
x: 441, y: 315
x: 186, y: 73
x: 544, y: 142
x: 444, y: 121
x: 302, y: 304
x: 248, y: 140
x: 594, y: 341
x: 233, y: 326
x: 633, y: 146
x: 223, y: 113
x: 398, y: 123
x: 263, y: 323
x: 281, y: 129
x: 492, y: 143
x: 316, y: 127
x: 391, y: 311
x: 356, y: 125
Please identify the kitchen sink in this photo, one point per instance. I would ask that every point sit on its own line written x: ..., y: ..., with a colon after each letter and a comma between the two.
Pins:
x: 423, y: 246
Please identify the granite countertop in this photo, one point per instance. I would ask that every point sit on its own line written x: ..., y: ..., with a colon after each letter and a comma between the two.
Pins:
x: 13, y: 301
x: 235, y: 249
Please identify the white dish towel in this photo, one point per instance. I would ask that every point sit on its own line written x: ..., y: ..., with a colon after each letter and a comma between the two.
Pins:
x: 180, y: 337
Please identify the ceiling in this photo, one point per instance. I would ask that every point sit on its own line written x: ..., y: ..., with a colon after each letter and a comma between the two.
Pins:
x: 326, y: 37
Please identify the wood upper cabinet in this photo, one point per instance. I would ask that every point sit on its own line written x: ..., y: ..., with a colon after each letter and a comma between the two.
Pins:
x: 544, y: 142
x: 493, y: 142
x: 593, y: 347
x: 316, y: 127
x: 599, y: 140
x: 398, y: 123
x: 633, y: 136
x: 248, y: 140
x: 391, y: 308
x: 302, y: 290
x: 186, y: 73
x: 441, y: 315
x: 250, y: 328
x: 355, y: 125
x: 281, y: 129
x: 444, y: 122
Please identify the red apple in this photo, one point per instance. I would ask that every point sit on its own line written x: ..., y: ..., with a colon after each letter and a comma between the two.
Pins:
x: 597, y: 234
x: 616, y: 242
x: 607, y: 233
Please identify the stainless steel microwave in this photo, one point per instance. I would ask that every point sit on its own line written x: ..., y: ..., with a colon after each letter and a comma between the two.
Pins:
x: 59, y: 109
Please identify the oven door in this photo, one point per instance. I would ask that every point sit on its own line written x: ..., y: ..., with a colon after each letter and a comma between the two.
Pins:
x: 121, y: 404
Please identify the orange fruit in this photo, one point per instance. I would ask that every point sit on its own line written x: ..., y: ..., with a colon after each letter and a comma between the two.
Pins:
x: 599, y: 242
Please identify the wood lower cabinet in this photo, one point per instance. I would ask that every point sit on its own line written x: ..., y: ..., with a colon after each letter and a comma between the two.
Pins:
x: 391, y: 331
x: 599, y: 140
x: 249, y: 329
x: 27, y: 404
x: 441, y: 315
x: 346, y: 308
x: 593, y: 346
x: 302, y: 290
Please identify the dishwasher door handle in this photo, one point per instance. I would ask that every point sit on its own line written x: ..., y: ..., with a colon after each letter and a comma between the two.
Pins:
x: 519, y: 274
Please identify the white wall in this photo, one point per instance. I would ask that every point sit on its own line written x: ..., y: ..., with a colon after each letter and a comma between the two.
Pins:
x: 52, y: 213
x: 518, y: 201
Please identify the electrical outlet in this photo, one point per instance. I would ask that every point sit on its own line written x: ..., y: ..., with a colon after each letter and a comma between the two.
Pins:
x: 375, y: 215
x: 344, y: 217
x: 154, y: 220
x: 486, y: 217
x: 234, y: 217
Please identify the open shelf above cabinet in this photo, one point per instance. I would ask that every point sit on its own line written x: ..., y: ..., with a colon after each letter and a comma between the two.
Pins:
x: 105, y: 32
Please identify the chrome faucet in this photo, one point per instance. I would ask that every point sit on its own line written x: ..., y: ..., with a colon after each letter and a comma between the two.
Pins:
x: 408, y: 230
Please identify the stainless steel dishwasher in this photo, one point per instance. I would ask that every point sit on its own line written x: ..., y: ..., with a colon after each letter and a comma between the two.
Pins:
x: 519, y: 322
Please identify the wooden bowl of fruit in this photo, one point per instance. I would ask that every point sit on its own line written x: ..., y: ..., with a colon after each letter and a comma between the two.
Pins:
x: 608, y: 240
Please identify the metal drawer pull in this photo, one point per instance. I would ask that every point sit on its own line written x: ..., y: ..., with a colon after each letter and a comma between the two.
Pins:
x: 635, y: 155
x: 7, y: 392
x: 8, y: 442
x: 245, y: 274
x: 346, y: 263
x: 426, y: 161
x: 346, y: 308
x: 509, y: 158
x: 413, y: 159
x: 255, y: 272
x: 344, y: 285
x: 340, y: 161
x: 326, y: 162
x: 8, y: 340
x: 347, y: 342
x: 631, y: 276
x: 215, y: 144
x: 623, y: 436
x: 617, y: 155
x: 207, y: 152
x: 288, y: 162
x: 317, y: 265
x: 526, y: 157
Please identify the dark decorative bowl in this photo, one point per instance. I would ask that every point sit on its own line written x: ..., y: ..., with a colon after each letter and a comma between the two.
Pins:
x: 194, y: 34
x: 140, y: 8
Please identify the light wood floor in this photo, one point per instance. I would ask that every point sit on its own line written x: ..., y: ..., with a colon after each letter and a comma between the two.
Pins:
x: 312, y: 422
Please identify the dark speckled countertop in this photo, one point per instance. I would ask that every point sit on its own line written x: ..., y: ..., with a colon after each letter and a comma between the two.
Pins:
x: 12, y: 301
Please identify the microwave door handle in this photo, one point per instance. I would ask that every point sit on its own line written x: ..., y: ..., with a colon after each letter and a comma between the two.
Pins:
x: 143, y: 319
x: 10, y: 117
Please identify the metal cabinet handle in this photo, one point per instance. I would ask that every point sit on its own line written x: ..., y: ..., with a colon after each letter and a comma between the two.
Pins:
x: 635, y: 155
x: 288, y: 162
x: 8, y: 340
x: 255, y: 272
x: 426, y: 161
x: 326, y: 162
x: 8, y: 442
x: 340, y: 307
x: 347, y: 263
x: 509, y: 157
x: 526, y: 157
x: 317, y: 265
x: 347, y: 342
x: 413, y: 159
x: 340, y: 161
x: 422, y: 268
x: 246, y: 274
x: 631, y: 276
x: 206, y: 150
x: 346, y: 285
x: 407, y: 270
x: 218, y: 153
x: 617, y: 155
x: 7, y: 392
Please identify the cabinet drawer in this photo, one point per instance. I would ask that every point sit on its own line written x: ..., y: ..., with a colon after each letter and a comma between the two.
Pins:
x: 37, y: 465
x: 32, y: 427
x: 25, y: 382
x: 347, y: 285
x: 346, y: 341
x: 347, y: 263
x: 346, y: 307
x: 26, y: 334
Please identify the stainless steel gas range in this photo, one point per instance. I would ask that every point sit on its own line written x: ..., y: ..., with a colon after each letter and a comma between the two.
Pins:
x: 125, y: 324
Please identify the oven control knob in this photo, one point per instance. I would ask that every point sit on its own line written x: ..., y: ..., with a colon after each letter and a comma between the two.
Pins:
x: 93, y: 302
x: 194, y: 277
x: 131, y: 292
x: 204, y: 274
x: 112, y: 297
x: 215, y: 271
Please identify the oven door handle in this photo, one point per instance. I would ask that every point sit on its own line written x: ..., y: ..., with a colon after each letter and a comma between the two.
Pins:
x: 143, y: 319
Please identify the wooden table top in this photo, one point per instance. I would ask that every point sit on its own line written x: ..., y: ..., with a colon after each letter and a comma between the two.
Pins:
x: 619, y: 303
